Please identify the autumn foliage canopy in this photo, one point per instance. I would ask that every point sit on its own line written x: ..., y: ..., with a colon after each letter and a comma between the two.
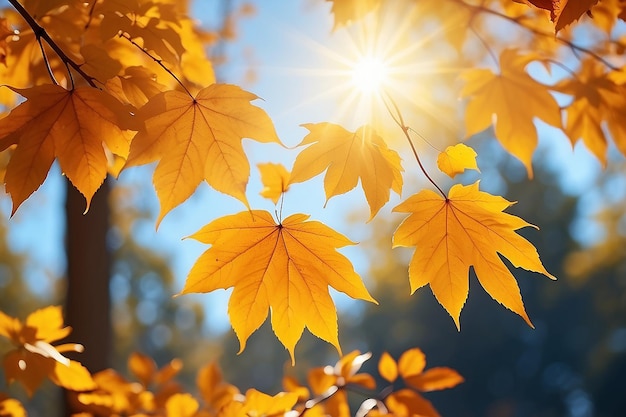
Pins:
x: 102, y: 86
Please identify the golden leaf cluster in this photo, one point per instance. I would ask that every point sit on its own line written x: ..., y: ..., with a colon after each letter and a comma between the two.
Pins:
x: 104, y: 86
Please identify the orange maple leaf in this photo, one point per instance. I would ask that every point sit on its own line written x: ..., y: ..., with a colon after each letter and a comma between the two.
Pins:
x: 565, y: 12
x: 74, y: 126
x: 197, y: 139
x: 347, y: 157
x: 515, y: 99
x: 468, y: 228
x: 287, y: 267
x: 35, y: 359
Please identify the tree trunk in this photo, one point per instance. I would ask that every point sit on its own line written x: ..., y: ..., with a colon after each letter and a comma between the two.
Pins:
x: 88, y: 304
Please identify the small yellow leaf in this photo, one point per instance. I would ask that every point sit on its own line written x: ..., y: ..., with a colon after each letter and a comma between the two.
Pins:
x: 387, y: 367
x: 10, y: 407
x: 143, y: 367
x: 74, y: 377
x: 285, y: 268
x: 411, y: 362
x: 49, y: 324
x: 260, y: 404
x: 275, y: 179
x: 181, y: 405
x: 456, y: 159
x: 466, y: 229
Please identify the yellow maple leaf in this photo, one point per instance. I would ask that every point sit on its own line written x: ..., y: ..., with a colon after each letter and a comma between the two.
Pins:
x: 285, y: 267
x: 456, y: 159
x: 275, y: 179
x: 199, y: 138
x: 35, y: 358
x: 347, y: 157
x: 73, y: 126
x: 596, y: 99
x: 469, y: 228
x: 510, y: 101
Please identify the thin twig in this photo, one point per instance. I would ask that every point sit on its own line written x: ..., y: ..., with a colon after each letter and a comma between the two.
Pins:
x: 399, y: 120
x: 490, y: 51
x: 93, y: 6
x: 40, y: 32
x: 45, y: 60
x: 157, y: 60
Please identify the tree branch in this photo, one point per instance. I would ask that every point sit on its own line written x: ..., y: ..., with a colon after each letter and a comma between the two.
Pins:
x: 40, y: 33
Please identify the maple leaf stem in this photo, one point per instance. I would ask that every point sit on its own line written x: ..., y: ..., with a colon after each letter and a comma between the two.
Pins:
x: 280, y: 210
x: 396, y: 115
x: 40, y: 33
x: 157, y: 60
x: 481, y: 8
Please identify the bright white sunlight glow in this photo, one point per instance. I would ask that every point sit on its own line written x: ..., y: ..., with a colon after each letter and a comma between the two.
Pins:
x: 369, y: 75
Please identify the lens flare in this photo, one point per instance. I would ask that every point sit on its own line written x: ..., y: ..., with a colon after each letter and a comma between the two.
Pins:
x: 369, y: 75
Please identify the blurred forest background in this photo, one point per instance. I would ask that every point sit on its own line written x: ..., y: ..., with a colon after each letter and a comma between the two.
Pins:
x: 573, y: 364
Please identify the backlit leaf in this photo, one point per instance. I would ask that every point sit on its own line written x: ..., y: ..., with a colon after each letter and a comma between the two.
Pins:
x: 275, y: 179
x: 73, y: 126
x: 74, y: 377
x: 285, y: 267
x: 197, y: 139
x: 509, y: 100
x: 347, y: 157
x: 411, y: 362
x: 181, y: 405
x: 466, y: 229
x: 387, y: 367
x: 596, y: 98
x: 456, y: 159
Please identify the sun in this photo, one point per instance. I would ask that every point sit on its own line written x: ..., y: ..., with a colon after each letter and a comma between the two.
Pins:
x: 370, y: 74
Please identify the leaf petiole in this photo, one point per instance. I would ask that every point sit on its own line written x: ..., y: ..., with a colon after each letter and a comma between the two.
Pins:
x: 399, y: 120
